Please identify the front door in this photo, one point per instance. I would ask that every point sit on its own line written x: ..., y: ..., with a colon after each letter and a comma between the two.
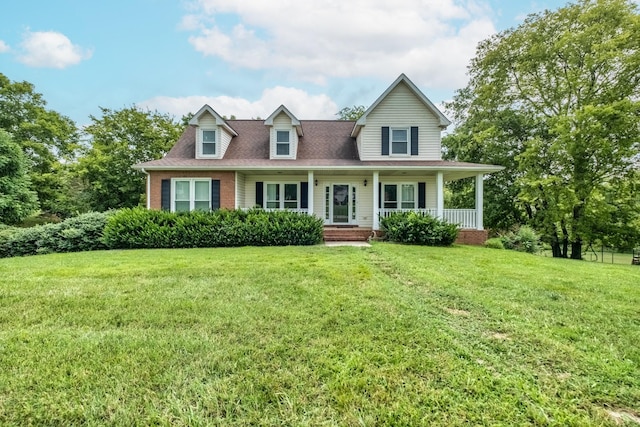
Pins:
x: 341, y: 203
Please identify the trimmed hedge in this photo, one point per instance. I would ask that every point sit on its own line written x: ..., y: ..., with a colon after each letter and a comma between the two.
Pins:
x: 418, y: 229
x: 80, y: 233
x: 140, y: 228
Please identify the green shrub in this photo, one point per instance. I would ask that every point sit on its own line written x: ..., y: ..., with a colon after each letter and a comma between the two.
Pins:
x: 415, y: 228
x: 494, y: 243
x: 142, y: 228
x: 81, y: 233
x: 525, y: 239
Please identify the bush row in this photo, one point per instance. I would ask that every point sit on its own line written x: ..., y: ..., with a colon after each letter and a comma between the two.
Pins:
x: 142, y: 228
x: 80, y: 233
x: 415, y: 228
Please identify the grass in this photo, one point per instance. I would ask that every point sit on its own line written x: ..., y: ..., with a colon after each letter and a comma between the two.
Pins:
x: 387, y: 335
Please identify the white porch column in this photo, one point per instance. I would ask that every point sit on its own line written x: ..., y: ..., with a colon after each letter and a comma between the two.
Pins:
x: 376, y: 198
x: 479, y: 201
x: 310, y: 185
x: 440, y: 195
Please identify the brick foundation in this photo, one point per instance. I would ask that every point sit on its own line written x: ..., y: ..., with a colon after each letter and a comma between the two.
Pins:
x: 472, y: 237
x: 227, y: 185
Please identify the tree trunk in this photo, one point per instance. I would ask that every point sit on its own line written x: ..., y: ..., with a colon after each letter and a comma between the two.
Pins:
x: 576, y: 249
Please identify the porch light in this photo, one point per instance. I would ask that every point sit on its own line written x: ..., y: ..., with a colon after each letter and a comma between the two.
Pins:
x: 316, y: 182
x: 365, y: 182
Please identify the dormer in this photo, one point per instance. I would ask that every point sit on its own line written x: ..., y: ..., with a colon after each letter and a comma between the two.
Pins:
x: 284, y: 133
x: 213, y: 134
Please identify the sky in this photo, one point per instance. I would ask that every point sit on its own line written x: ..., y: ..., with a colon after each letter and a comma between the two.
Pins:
x: 244, y: 57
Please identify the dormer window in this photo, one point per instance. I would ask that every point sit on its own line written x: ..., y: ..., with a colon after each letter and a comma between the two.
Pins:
x: 283, y: 143
x: 209, y: 142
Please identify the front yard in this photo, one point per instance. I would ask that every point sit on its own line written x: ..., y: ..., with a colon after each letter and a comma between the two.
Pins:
x: 387, y: 335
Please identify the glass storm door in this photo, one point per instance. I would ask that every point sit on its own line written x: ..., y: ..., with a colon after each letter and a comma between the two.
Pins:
x: 341, y: 206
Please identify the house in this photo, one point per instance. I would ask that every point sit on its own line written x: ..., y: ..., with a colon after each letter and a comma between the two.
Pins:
x: 348, y: 173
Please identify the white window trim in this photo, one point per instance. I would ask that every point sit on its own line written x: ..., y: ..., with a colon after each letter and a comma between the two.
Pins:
x: 200, y: 142
x: 192, y: 191
x: 399, y: 200
x: 282, y: 194
x: 275, y: 143
x: 408, y: 152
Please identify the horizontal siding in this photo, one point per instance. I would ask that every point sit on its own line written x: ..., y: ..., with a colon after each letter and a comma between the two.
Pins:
x: 241, y: 190
x: 225, y: 140
x: 401, y: 108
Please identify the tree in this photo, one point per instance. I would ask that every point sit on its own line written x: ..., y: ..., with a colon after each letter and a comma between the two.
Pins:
x: 351, y: 113
x: 17, y: 200
x: 118, y: 140
x: 44, y: 136
x: 556, y: 99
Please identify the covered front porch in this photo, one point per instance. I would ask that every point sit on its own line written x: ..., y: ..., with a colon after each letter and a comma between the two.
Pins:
x: 360, y: 198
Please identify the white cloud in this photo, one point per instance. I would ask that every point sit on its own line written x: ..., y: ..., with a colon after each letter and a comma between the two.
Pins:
x: 4, y: 47
x: 299, y: 102
x: 430, y: 40
x: 50, y: 49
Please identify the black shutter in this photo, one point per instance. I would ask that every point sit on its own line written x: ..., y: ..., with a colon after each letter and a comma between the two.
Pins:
x: 385, y: 141
x: 422, y: 199
x: 259, y: 194
x: 414, y: 141
x: 215, y: 194
x: 165, y: 195
x: 304, y: 195
x: 380, y: 195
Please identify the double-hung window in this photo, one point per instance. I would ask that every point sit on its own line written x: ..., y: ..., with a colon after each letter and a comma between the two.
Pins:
x: 282, y: 196
x: 401, y: 196
x: 399, y: 141
x: 283, y: 143
x: 191, y: 194
x: 208, y: 143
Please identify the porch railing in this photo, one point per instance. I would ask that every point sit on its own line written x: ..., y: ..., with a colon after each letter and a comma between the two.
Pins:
x: 464, y: 218
x: 303, y: 211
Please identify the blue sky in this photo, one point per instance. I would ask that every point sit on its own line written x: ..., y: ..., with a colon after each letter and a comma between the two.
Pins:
x: 244, y: 57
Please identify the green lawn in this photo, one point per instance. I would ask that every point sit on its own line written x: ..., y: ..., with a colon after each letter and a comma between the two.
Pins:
x: 387, y: 335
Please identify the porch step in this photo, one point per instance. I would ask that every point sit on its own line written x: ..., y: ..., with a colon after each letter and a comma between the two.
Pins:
x: 342, y: 234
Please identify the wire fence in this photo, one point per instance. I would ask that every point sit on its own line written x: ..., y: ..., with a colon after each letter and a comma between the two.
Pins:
x: 605, y: 254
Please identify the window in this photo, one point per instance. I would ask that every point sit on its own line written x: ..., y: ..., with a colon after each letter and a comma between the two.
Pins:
x: 208, y: 142
x: 191, y: 194
x: 408, y: 193
x: 282, y: 143
x: 282, y: 196
x: 403, y: 199
x: 399, y: 141
x: 390, y: 196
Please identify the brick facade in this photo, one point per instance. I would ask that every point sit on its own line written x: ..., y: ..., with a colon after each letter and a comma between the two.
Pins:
x: 227, y: 185
x: 472, y: 237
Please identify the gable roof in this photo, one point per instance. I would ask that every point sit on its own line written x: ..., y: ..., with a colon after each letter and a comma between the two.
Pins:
x: 443, y: 121
x: 326, y: 145
x: 219, y: 120
x: 282, y: 109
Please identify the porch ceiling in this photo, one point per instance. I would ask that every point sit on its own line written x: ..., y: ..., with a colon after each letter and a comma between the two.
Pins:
x: 447, y: 175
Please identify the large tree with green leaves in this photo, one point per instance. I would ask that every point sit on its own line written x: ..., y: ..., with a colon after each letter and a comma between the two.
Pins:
x: 45, y: 136
x: 556, y: 101
x: 118, y: 140
x: 17, y: 200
